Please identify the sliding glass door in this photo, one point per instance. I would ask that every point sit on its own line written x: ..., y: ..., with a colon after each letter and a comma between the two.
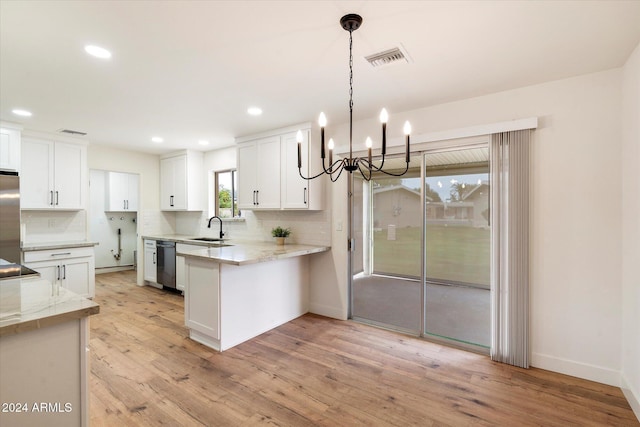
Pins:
x: 457, y: 246
x: 387, y: 282
x: 422, y: 257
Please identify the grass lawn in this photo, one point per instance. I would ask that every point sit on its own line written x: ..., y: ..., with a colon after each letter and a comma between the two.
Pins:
x: 460, y: 254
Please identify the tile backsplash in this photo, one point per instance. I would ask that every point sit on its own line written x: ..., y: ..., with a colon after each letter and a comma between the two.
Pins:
x: 53, y: 226
x: 307, y: 227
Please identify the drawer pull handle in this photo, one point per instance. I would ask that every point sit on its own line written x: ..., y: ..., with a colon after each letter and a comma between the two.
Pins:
x: 61, y: 254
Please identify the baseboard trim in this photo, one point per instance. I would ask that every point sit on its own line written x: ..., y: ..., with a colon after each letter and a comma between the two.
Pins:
x: 102, y: 270
x: 633, y: 396
x: 576, y: 369
x: 327, y: 311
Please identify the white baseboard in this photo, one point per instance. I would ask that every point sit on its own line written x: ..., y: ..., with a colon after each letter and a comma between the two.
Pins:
x: 576, y: 369
x: 633, y: 396
x: 102, y: 270
x: 327, y: 311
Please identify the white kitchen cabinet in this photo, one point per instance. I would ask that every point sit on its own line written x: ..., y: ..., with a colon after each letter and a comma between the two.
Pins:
x: 297, y: 192
x: 202, y: 300
x: 181, y: 181
x: 9, y: 149
x: 259, y: 174
x: 150, y: 260
x: 53, y: 175
x: 121, y: 192
x: 70, y: 268
x: 268, y: 176
x: 180, y: 264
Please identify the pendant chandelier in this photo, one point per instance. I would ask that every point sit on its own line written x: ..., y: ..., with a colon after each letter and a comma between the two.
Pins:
x: 351, y: 164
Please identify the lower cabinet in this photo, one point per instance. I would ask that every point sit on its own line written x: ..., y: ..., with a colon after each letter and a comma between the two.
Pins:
x: 202, y: 302
x: 150, y: 261
x: 70, y: 268
x: 45, y: 374
x: 180, y: 264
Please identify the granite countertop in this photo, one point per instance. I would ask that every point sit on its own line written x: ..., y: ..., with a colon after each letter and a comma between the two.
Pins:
x: 250, y: 252
x: 34, y: 303
x: 56, y: 245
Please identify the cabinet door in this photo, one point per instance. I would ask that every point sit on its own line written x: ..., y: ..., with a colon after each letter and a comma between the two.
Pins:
x: 77, y: 275
x: 173, y: 183
x: 150, y: 272
x: 133, y: 192
x: 268, y: 177
x: 68, y: 168
x: 10, y: 149
x: 295, y: 189
x: 117, y: 186
x: 49, y: 270
x: 166, y: 185
x: 202, y: 297
x: 247, y: 166
x: 36, y: 183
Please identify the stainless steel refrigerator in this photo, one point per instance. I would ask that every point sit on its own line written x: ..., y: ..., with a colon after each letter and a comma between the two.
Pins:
x: 10, y: 217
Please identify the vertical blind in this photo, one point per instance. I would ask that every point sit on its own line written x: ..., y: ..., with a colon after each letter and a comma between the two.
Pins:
x: 510, y: 247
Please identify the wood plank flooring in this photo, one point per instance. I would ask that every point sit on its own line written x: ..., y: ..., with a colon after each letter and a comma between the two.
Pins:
x: 312, y: 371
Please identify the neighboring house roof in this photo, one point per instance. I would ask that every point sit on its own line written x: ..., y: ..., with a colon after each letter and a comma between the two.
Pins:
x: 398, y: 187
x: 466, y: 195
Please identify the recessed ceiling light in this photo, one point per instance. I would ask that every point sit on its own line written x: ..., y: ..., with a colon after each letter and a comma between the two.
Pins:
x: 254, y: 111
x: 97, y: 51
x: 23, y: 113
x: 203, y: 142
x: 157, y: 139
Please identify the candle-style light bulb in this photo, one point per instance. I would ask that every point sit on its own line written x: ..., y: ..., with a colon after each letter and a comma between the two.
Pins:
x: 407, y: 128
x: 407, y: 132
x: 331, y: 144
x: 384, y: 116
x: 322, y: 122
x: 299, y: 136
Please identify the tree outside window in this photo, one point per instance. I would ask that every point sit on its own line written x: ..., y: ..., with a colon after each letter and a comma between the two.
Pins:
x: 226, y: 197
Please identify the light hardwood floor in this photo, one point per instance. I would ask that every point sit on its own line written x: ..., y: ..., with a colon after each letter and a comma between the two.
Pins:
x: 312, y: 371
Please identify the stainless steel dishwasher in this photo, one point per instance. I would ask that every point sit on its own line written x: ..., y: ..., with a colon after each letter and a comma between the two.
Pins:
x: 166, y: 267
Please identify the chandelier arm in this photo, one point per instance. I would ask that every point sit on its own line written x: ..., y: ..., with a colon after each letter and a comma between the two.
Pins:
x: 395, y: 174
x: 310, y: 177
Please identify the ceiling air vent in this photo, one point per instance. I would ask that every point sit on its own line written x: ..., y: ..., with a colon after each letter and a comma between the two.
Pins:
x: 72, y: 132
x: 387, y: 57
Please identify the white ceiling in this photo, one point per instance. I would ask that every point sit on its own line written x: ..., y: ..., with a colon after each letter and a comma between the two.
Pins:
x: 188, y: 70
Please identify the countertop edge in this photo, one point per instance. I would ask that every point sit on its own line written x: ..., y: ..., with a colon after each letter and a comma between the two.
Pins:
x: 30, y: 247
x: 34, y: 324
x: 271, y: 257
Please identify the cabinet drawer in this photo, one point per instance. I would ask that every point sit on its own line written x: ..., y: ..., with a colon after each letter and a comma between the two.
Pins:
x: 53, y: 254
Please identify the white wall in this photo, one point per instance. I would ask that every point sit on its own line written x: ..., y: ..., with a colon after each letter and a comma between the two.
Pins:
x: 576, y: 286
x: 150, y: 219
x: 104, y: 226
x: 631, y: 230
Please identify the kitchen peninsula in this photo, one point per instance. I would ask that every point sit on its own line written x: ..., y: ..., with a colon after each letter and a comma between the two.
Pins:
x: 234, y: 293
x: 44, y: 338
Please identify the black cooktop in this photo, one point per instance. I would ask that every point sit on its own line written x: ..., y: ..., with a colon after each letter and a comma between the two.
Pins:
x: 10, y: 270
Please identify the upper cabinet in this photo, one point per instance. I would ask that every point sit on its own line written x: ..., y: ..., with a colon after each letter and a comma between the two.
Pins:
x: 181, y: 181
x: 53, y: 175
x: 268, y: 176
x: 259, y: 174
x: 9, y: 149
x: 122, y: 192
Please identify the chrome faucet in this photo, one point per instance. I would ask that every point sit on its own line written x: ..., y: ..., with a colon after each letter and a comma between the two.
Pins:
x: 218, y: 218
